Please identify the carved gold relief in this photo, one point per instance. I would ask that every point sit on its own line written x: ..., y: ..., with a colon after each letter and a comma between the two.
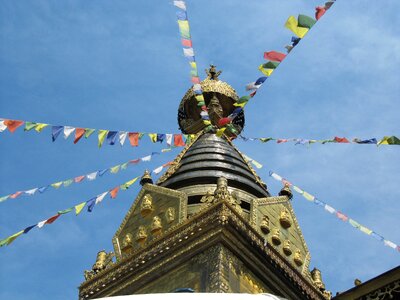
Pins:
x: 170, y: 215
x: 298, y: 259
x: 147, y: 205
x: 141, y: 235
x: 287, y: 248
x: 284, y: 218
x: 103, y: 261
x: 264, y: 225
x: 156, y: 225
x: 276, y: 238
x: 127, y: 244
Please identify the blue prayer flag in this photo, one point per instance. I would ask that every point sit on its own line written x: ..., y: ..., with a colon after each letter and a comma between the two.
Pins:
x: 91, y: 203
x: 27, y: 229
x: 102, y: 172
x: 55, y: 132
x: 260, y: 80
x: 111, y: 137
x: 160, y: 137
x: 181, y: 15
x: 43, y: 189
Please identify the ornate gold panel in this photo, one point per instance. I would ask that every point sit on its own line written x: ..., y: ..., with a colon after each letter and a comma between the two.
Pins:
x: 154, y: 211
x: 283, y: 231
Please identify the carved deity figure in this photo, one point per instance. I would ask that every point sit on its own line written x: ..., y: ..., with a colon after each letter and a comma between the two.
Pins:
x: 170, y: 214
x: 212, y: 73
x: 147, y: 205
x: 287, y: 247
x: 156, y: 225
x: 141, y: 235
x: 207, y: 198
x: 276, y: 236
x: 215, y: 110
x: 264, y: 225
x: 127, y: 241
x: 103, y: 261
x: 284, y: 218
x: 298, y: 258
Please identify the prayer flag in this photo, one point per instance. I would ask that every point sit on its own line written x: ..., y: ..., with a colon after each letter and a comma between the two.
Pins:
x: 187, y: 43
x: 134, y: 138
x: 298, y: 190
x: 251, y: 86
x: 319, y: 203
x: 100, y: 197
x: 79, y: 132
x: 390, y: 244
x: 114, y: 192
x: 91, y: 176
x: 122, y: 137
x: 90, y: 204
x: 265, y: 71
x: 88, y: 132
x: 328, y: 4
x: 115, y: 169
x: 124, y: 166
x: 308, y: 196
x: 160, y: 137
x: 43, y: 189
x: 200, y: 98
x: 220, y: 132
x: 52, y: 219
x: 31, y: 192
x: 126, y: 185
x: 195, y: 79
x: 67, y: 131
x: 2, y: 126
x: 178, y: 141
x: 341, y: 140
x: 319, y: 12
x: 146, y: 158
x: 180, y: 4
x: 184, y: 29
x: 289, y: 48
x: 305, y: 21
x: 29, y: 126
x: 41, y: 223
x: 370, y: 141
x: 341, y: 216
x: 65, y: 211
x: 79, y: 178
x: 68, y: 182
x: 12, y: 125
x: 377, y: 236
x: 111, y: 137
x: 243, y: 99
x: 354, y: 223
x: 260, y: 80
x: 15, y: 195
x: 153, y: 137
x: 224, y: 121
x: 10, y: 239
x: 280, y: 141
x: 389, y: 140
x: 295, y: 40
x: 271, y: 65
x: 40, y: 126
x: 169, y: 139
x: 292, y: 25
x: 57, y: 184
x: 55, y: 132
x: 102, y: 135
x: 365, y: 230
x: 102, y: 172
x: 157, y: 170
x: 256, y: 164
x: 181, y: 15
x: 276, y: 176
x: 188, y: 52
x: 27, y: 229
x: 329, y: 209
x: 79, y: 207
x: 264, y: 140
x: 274, y: 56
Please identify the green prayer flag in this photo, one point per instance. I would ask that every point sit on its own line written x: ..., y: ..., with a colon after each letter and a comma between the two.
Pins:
x: 115, y: 169
x: 243, y: 99
x: 354, y: 223
x: 305, y: 21
x: 271, y: 65
x: 264, y: 140
x: 68, y: 182
x: 4, y: 198
x: 65, y: 211
x: 57, y: 184
x: 102, y: 136
x: 10, y: 239
x: 88, y: 132
x: 201, y: 103
x: 126, y: 185
x: 124, y: 166
x: 29, y: 126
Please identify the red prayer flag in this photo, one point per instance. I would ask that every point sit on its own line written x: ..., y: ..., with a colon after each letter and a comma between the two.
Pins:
x: 114, y: 192
x: 204, y: 108
x: 253, y: 94
x: 319, y: 12
x: 52, y: 219
x: 279, y: 141
x: 342, y: 216
x: 134, y: 161
x: 79, y: 178
x: 178, y: 141
x: 341, y: 140
x: 224, y: 121
x: 274, y: 56
x: 12, y: 125
x: 167, y: 164
x: 187, y: 43
x: 15, y: 195
x: 79, y: 132
x: 134, y: 138
x: 195, y: 79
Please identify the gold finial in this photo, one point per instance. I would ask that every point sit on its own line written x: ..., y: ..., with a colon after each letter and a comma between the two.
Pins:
x: 146, y: 178
x: 357, y: 282
x: 317, y: 278
x: 212, y: 73
x: 285, y: 191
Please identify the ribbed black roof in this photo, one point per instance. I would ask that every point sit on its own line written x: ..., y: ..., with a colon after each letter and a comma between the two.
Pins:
x: 209, y: 158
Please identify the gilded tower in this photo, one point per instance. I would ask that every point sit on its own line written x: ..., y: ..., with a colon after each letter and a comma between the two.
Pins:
x: 209, y: 223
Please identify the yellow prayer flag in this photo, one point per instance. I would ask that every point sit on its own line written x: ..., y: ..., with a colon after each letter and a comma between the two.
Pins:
x: 40, y: 126
x: 256, y: 164
x: 220, y: 131
x: 308, y: 196
x: 10, y: 239
x: 297, y: 189
x: 206, y: 122
x: 193, y: 64
x: 183, y: 25
x: 200, y: 97
x: 384, y: 141
x: 102, y: 136
x: 292, y: 25
x: 79, y: 207
x: 153, y: 137
x: 166, y: 150
x: 115, y: 169
x: 57, y: 184
x: 240, y: 104
x: 266, y: 72
x: 365, y: 230
x: 126, y: 185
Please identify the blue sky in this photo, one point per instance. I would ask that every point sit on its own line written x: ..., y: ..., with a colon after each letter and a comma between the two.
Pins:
x: 119, y: 65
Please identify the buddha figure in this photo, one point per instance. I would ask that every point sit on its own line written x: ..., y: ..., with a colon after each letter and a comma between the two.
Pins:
x: 170, y: 214
x: 141, y: 235
x: 127, y: 241
x: 286, y: 247
x: 156, y: 225
x: 147, y: 205
x: 298, y: 258
x: 276, y: 239
x: 264, y: 225
x: 284, y: 218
